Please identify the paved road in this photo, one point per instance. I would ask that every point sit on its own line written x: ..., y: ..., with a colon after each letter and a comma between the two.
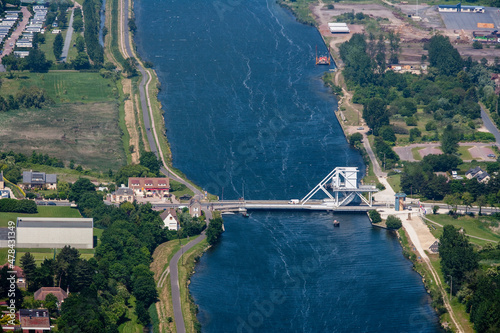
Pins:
x: 405, y: 153
x: 150, y: 130
x: 174, y: 283
x: 67, y: 40
x: 146, y: 112
x: 15, y: 35
x: 489, y: 125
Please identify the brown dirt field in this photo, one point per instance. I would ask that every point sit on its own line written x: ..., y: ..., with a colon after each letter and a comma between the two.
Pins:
x: 429, y: 150
x: 130, y: 120
x: 86, y: 133
x: 137, y: 106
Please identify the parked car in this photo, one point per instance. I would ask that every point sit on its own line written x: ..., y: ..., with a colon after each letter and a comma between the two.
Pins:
x: 491, y: 155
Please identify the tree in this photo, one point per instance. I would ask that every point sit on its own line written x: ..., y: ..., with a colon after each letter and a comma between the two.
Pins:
x: 80, y: 44
x: 457, y: 255
x: 29, y: 267
x: 480, y: 202
x: 214, y: 231
x: 435, y: 209
x: 36, y: 62
x: 150, y: 161
x: 50, y: 303
x: 375, y: 216
x: 355, y: 138
x: 77, y: 24
x: 467, y: 200
x: 58, y: 46
x: 477, y: 45
x: 393, y: 222
x: 444, y: 56
x: 81, y: 186
x: 452, y: 200
x: 375, y: 114
x: 449, y: 140
x: 81, y: 61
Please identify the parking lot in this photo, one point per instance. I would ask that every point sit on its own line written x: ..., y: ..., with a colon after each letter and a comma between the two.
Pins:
x: 469, y: 21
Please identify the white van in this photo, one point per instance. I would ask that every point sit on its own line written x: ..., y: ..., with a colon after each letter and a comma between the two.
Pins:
x: 294, y: 202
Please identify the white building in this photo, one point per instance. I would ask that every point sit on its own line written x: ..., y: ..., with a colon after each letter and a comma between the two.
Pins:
x: 51, y: 232
x: 170, y: 221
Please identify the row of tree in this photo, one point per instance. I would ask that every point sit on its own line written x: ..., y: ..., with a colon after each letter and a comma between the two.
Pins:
x: 92, y: 24
x: 18, y: 206
x: 476, y: 286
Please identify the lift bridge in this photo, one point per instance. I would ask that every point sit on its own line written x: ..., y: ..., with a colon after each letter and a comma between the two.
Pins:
x: 343, y: 184
x: 340, y: 187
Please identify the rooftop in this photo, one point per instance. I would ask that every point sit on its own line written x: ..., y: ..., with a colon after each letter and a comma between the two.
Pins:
x: 54, y: 222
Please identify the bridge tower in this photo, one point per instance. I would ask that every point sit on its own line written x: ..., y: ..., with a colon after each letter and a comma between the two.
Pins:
x: 343, y: 181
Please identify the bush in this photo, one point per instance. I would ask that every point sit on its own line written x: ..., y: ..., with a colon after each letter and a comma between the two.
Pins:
x: 374, y: 216
x: 18, y: 206
x: 355, y: 138
x: 477, y: 45
x: 393, y: 222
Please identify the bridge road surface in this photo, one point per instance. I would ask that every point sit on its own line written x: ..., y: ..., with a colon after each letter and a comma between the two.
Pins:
x: 67, y: 39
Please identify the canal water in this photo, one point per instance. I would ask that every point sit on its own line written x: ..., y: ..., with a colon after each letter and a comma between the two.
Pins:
x: 247, y: 115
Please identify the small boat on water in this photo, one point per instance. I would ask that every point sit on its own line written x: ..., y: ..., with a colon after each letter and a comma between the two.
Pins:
x: 336, y: 223
x: 245, y: 214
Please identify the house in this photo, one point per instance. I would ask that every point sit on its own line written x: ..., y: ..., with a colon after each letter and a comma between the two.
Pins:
x: 149, y: 187
x: 34, y: 320
x: 33, y: 179
x: 41, y: 293
x: 20, y: 277
x: 122, y: 194
x: 478, y: 173
x: 460, y: 9
x: 170, y: 220
x: 2, y: 182
x: 54, y: 232
x: 195, y: 208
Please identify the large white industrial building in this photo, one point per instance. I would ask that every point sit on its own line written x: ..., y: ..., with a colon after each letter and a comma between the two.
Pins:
x: 49, y: 232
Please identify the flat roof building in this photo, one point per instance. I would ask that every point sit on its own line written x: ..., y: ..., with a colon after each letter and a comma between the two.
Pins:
x: 52, y: 232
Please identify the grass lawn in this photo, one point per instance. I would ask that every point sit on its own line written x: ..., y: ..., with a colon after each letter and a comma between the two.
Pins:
x: 43, y: 211
x: 181, y: 192
x: 464, y: 152
x: 131, y: 325
x: 64, y: 87
x: 395, y: 182
x: 474, y: 226
x: 68, y: 175
x: 415, y: 151
x: 48, y: 46
x: 42, y: 254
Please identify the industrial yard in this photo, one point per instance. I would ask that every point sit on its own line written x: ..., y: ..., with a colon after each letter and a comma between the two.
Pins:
x: 416, y: 25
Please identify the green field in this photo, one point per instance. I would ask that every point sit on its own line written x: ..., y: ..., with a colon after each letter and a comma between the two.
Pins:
x: 43, y: 211
x: 130, y: 325
x: 395, y: 182
x: 42, y: 254
x: 86, y: 133
x: 464, y: 152
x: 415, y: 151
x: 64, y: 87
x: 474, y: 226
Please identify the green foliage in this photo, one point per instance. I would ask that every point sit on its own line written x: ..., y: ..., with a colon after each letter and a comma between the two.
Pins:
x: 444, y: 56
x: 477, y: 45
x: 355, y: 139
x: 214, y: 230
x: 385, y: 152
x: 449, y: 140
x: 387, y: 133
x: 132, y: 170
x: 92, y: 22
x: 36, y: 62
x: 457, y: 255
x: 29, y: 267
x: 375, y: 114
x: 18, y: 206
x: 58, y: 46
x: 375, y: 216
x: 80, y: 187
x: 150, y: 161
x: 393, y: 222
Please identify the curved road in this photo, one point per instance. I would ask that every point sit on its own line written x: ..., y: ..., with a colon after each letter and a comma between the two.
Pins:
x: 152, y: 140
x: 146, y: 105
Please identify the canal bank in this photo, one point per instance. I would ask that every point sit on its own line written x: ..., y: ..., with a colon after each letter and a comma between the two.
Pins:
x: 288, y: 158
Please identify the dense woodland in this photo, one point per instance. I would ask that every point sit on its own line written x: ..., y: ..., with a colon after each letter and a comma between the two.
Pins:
x: 448, y: 94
